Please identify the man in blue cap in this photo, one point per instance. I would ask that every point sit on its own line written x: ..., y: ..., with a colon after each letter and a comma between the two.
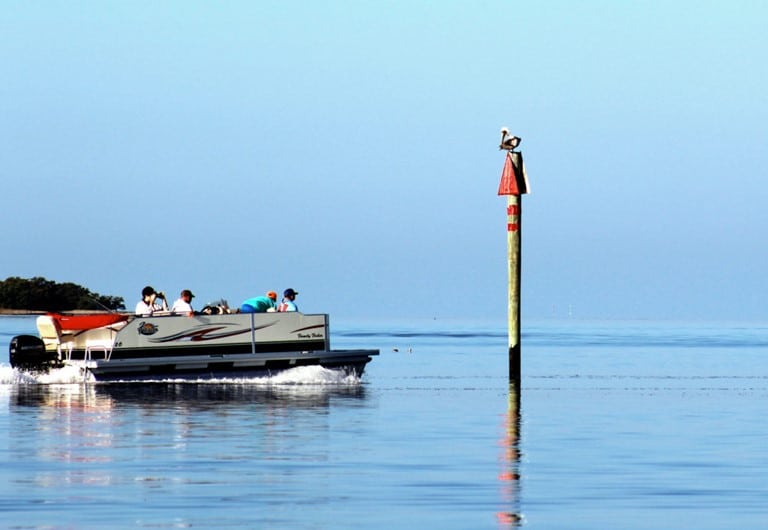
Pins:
x: 288, y: 304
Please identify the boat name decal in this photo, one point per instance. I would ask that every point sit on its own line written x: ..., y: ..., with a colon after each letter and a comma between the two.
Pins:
x: 145, y: 328
x: 312, y: 335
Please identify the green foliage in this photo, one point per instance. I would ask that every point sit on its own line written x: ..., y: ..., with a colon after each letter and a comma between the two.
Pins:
x: 39, y: 294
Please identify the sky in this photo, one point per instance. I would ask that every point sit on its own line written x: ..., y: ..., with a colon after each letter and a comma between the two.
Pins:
x: 349, y: 150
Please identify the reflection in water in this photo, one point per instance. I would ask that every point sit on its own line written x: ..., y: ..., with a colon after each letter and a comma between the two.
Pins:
x: 192, y: 396
x: 205, y: 396
x: 510, y: 474
x: 85, y: 433
x: 68, y: 428
x: 64, y: 396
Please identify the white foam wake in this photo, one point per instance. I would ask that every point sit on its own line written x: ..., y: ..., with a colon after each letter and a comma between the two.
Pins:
x: 61, y: 376
x: 301, y: 375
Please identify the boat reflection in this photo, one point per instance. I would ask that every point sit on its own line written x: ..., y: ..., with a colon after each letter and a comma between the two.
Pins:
x: 510, y: 517
x: 198, y: 396
x: 85, y: 433
x: 60, y: 396
x: 191, y: 396
x: 71, y: 426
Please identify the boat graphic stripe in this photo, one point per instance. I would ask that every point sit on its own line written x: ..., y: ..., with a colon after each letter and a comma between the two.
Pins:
x: 190, y: 350
x: 202, y: 334
x: 308, y: 327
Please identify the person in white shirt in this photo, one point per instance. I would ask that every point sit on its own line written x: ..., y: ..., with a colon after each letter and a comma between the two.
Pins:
x: 183, y: 306
x: 147, y: 306
x: 289, y: 301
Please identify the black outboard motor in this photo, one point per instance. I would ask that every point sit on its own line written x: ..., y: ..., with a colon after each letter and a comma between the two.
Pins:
x: 28, y: 352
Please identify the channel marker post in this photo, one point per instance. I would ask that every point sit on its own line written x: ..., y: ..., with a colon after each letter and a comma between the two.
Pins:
x: 514, y: 184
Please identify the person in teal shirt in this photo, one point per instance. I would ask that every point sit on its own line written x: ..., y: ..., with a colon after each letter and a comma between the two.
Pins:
x: 260, y: 304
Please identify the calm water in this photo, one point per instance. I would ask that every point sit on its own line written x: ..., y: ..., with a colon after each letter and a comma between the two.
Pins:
x: 618, y: 425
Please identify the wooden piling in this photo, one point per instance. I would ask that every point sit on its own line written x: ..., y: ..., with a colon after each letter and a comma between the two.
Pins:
x: 514, y: 184
x: 513, y: 259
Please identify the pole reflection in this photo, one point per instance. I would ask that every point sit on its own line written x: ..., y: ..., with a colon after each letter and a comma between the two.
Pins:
x: 510, y: 516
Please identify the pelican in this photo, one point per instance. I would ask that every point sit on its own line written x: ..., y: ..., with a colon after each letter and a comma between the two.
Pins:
x: 508, y: 142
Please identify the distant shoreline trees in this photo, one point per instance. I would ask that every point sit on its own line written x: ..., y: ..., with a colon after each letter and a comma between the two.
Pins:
x: 39, y: 294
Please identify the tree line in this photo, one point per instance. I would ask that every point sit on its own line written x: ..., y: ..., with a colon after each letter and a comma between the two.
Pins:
x: 39, y: 294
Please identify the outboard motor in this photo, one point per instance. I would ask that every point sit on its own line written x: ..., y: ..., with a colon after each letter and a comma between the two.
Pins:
x: 28, y: 352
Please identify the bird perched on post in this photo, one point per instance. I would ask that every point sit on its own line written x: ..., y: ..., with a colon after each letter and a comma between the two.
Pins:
x: 508, y: 142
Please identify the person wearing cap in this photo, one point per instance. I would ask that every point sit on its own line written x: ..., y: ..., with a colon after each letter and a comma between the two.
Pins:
x: 147, y: 306
x: 183, y: 306
x: 288, y: 304
x: 260, y: 304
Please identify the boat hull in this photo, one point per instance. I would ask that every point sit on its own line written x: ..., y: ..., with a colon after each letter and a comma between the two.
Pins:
x: 195, y: 347
x: 226, y: 366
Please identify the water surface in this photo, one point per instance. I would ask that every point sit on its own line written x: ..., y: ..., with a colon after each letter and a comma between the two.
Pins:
x: 618, y: 424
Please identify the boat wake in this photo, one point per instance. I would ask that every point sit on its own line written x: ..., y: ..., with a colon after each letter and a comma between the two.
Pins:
x: 61, y: 376
x: 299, y: 376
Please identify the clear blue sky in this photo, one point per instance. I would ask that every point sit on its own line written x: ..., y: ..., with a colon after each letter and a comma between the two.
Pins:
x: 349, y: 150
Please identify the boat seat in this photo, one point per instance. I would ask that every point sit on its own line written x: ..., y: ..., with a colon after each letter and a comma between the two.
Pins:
x: 51, y: 335
x: 98, y: 345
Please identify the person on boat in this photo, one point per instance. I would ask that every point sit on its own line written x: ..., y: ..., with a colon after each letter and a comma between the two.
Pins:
x: 183, y: 306
x: 289, y: 301
x: 147, y: 306
x: 219, y: 307
x: 260, y: 304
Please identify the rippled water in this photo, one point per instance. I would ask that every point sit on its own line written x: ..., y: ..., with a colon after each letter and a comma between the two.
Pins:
x: 616, y: 425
